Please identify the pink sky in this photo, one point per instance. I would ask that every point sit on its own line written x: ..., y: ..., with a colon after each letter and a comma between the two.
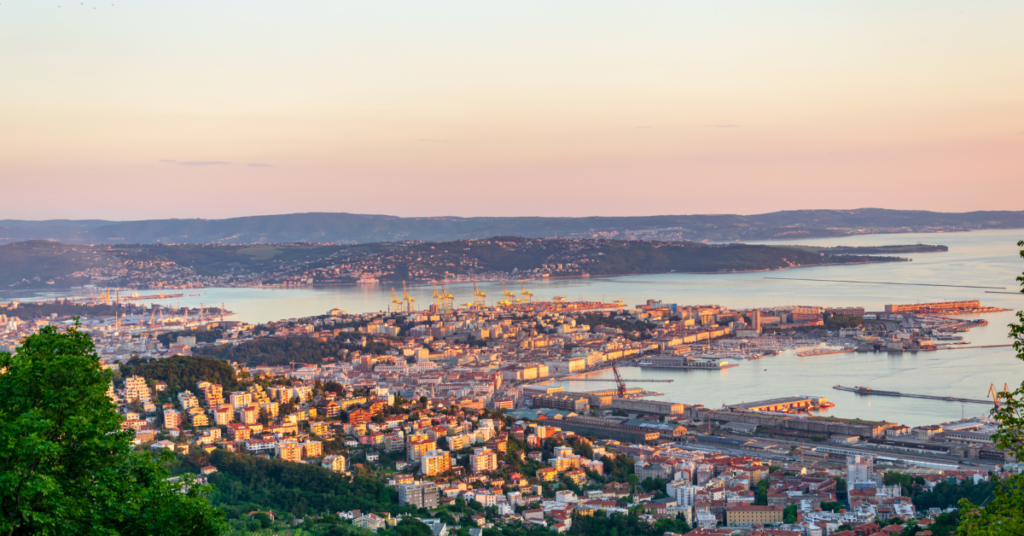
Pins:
x: 457, y: 108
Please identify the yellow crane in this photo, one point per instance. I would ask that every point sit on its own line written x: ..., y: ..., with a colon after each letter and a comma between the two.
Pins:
x: 394, y: 301
x: 437, y: 297
x: 995, y: 394
x: 409, y: 301
x: 510, y: 297
x: 479, y: 298
x: 447, y: 300
x: 527, y: 295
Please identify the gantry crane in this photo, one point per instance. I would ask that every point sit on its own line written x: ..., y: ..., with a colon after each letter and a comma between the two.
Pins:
x: 409, y: 301
x: 510, y: 297
x: 527, y: 295
x: 447, y: 300
x: 437, y: 297
x: 479, y: 298
x: 394, y: 302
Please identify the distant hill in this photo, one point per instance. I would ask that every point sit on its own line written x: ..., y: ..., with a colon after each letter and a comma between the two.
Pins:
x: 344, y: 228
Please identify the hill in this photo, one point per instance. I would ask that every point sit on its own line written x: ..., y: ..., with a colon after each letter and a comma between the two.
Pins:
x: 344, y: 228
x: 44, y: 264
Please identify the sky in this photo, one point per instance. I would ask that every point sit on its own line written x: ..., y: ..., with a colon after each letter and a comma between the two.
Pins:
x: 157, y: 109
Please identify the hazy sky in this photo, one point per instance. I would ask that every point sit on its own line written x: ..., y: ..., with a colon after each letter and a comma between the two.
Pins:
x: 214, y: 108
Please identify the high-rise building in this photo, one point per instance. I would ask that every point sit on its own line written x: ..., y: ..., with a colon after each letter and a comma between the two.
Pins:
x: 483, y: 460
x: 289, y: 450
x: 335, y: 463
x: 859, y: 471
x: 420, y: 495
x: 135, y: 388
x: 435, y: 462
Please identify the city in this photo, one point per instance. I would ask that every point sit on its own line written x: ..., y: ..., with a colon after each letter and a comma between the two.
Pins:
x: 468, y: 403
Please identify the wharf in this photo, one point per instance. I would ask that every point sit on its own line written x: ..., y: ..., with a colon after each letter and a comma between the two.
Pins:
x: 570, y: 378
x: 869, y: 391
x: 823, y: 351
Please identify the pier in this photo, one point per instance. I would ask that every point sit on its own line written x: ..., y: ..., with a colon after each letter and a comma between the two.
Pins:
x: 571, y: 379
x: 881, y: 283
x: 869, y: 391
x: 823, y: 351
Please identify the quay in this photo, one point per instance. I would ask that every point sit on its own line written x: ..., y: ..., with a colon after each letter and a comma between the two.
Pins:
x: 869, y: 391
x: 823, y: 351
x: 570, y: 378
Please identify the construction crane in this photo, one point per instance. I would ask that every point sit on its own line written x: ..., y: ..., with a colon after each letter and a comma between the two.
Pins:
x: 509, y: 296
x: 527, y: 295
x: 995, y: 395
x: 394, y: 301
x: 479, y: 298
x: 409, y: 301
x: 620, y: 384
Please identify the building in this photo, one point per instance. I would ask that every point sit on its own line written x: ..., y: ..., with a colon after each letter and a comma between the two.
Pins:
x: 420, y: 495
x: 415, y: 450
x: 608, y: 429
x: 312, y: 449
x: 935, y: 307
x: 289, y: 451
x: 172, y: 418
x: 335, y: 463
x: 859, y: 472
x: 576, y: 404
x: 240, y: 399
x: 748, y: 515
x: 653, y: 407
x: 435, y: 462
x: 223, y: 416
x: 483, y: 460
x: 135, y: 388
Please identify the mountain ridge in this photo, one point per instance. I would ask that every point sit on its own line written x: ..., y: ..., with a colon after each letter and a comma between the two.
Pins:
x: 350, y: 228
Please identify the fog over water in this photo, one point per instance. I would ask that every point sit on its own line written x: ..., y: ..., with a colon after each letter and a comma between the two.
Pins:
x: 985, y: 258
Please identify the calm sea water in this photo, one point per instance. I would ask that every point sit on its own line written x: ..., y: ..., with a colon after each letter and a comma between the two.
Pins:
x: 986, y: 258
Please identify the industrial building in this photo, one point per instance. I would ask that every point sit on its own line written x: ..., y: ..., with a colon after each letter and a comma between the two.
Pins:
x: 608, y: 429
x: 653, y: 407
x: 572, y: 403
x: 782, y: 404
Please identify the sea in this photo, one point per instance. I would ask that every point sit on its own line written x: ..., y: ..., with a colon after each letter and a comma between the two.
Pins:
x: 989, y: 259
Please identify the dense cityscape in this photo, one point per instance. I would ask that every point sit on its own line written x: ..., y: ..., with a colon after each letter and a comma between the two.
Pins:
x: 460, y: 414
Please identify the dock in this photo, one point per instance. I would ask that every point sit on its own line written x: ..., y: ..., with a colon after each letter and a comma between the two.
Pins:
x: 823, y: 351
x: 869, y: 391
x: 571, y: 379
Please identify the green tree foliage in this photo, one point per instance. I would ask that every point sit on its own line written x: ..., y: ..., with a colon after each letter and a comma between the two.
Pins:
x: 408, y: 526
x: 277, y: 352
x: 601, y: 524
x: 246, y: 483
x: 202, y: 335
x: 1004, y: 514
x: 831, y: 506
x: 789, y: 514
x: 761, y: 495
x: 836, y: 321
x: 66, y: 467
x: 182, y: 372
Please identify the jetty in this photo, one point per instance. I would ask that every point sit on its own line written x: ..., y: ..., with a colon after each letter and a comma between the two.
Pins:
x: 869, y: 391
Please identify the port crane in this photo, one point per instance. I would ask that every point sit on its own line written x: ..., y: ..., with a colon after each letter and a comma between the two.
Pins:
x: 527, y: 295
x: 620, y: 384
x: 479, y: 298
x: 395, y: 302
x: 995, y: 394
x: 447, y: 300
x: 437, y: 297
x: 510, y: 297
x: 410, y: 302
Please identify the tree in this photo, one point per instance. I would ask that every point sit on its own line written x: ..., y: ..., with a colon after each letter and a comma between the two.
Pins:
x: 66, y: 467
x: 789, y: 514
x: 1002, y: 515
